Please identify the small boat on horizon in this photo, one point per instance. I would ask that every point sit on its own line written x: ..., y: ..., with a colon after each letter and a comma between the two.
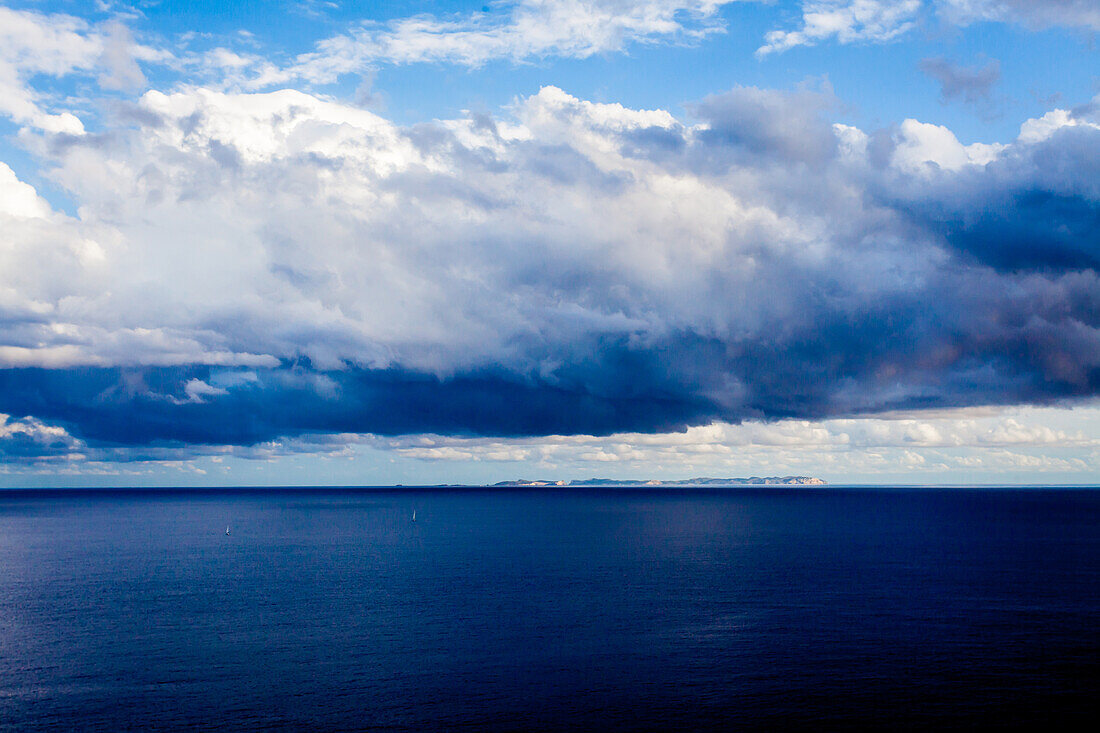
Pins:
x: 414, y: 515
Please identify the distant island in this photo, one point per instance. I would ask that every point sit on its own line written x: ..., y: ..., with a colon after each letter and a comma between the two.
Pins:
x: 702, y: 481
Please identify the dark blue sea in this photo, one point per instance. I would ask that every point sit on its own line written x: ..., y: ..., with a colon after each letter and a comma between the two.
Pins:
x: 620, y: 609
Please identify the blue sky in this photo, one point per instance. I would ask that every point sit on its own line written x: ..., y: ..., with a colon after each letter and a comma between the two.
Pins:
x: 325, y: 242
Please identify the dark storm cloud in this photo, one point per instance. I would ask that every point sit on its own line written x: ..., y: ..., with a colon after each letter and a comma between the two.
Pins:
x: 1035, y: 208
x: 607, y: 270
x: 952, y: 346
x: 96, y: 403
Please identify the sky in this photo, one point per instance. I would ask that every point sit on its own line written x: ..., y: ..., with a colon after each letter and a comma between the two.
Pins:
x: 310, y: 242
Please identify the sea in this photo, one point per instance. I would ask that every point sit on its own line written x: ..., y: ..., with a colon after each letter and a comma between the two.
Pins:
x: 771, y: 608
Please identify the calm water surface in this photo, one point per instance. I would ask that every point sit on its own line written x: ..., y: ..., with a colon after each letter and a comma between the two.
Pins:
x: 549, y: 609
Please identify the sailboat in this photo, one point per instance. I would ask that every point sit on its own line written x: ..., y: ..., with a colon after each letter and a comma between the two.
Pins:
x: 227, y: 529
x: 414, y: 515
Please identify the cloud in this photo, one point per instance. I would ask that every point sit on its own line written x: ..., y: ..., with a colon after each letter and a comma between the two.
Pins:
x: 960, y: 440
x: 37, y: 50
x: 29, y: 441
x: 522, y: 31
x: 928, y: 446
x: 925, y: 149
x: 249, y: 267
x: 845, y: 21
x: 1000, y: 213
x: 514, y: 31
x: 33, y: 44
x: 772, y: 123
x: 881, y: 21
x: 198, y: 390
x: 972, y: 85
x: 18, y: 199
x: 121, y: 71
x: 1068, y: 13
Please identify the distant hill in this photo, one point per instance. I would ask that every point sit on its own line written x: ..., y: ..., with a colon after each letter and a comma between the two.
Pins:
x: 702, y: 481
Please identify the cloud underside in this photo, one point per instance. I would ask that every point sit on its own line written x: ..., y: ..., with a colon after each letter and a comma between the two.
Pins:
x: 250, y: 266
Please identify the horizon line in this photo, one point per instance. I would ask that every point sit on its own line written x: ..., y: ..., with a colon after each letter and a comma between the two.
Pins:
x: 354, y: 487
